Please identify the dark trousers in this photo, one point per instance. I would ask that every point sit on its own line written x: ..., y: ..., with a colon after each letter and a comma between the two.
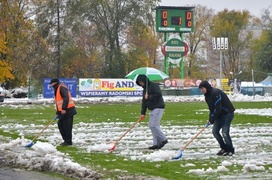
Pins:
x: 223, y: 123
x: 65, y: 125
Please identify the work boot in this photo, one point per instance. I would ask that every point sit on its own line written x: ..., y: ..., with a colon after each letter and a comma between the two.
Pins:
x: 162, y: 144
x: 229, y: 152
x: 154, y: 147
x: 66, y: 144
x: 221, y: 152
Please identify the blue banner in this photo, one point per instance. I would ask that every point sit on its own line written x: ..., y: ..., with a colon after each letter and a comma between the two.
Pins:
x: 48, y: 91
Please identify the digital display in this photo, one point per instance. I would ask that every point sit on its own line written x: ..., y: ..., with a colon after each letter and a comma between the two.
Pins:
x: 174, y: 19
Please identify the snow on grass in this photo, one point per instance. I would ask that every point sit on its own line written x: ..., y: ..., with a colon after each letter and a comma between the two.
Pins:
x: 252, y: 144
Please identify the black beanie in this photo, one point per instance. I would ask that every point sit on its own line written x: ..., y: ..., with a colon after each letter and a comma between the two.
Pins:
x: 54, y: 80
x: 205, y: 84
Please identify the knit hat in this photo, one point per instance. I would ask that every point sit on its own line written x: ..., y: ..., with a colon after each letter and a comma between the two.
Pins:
x: 54, y: 80
x: 205, y: 84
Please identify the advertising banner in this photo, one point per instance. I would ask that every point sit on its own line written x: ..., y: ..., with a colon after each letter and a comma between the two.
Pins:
x: 97, y: 87
x: 181, y: 83
x: 48, y: 91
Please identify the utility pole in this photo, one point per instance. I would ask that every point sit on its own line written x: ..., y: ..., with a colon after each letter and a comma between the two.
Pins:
x: 253, y: 88
x: 58, y: 40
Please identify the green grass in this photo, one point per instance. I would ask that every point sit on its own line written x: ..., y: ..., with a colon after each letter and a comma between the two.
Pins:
x: 190, y: 113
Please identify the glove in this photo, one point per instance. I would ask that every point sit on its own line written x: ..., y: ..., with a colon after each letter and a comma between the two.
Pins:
x: 207, y: 125
x: 142, y: 117
x: 57, y: 117
x: 211, y: 120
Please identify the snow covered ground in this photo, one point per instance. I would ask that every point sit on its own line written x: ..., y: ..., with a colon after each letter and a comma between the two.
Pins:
x: 252, y: 143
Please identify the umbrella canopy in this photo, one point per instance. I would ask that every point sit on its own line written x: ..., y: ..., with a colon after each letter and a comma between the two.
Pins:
x: 152, y: 74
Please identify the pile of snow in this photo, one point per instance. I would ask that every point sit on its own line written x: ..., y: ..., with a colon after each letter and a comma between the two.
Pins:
x: 44, y: 157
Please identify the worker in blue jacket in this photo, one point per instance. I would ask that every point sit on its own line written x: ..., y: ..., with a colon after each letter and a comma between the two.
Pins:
x: 221, y: 115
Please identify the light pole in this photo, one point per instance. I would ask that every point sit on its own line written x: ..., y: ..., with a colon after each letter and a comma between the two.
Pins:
x: 253, y: 90
x: 220, y: 43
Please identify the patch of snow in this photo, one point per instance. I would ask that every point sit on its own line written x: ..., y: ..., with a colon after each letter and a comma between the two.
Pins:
x: 249, y: 141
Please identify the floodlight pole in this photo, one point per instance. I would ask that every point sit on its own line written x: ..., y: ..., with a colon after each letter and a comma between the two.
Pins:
x: 220, y: 56
x: 220, y: 43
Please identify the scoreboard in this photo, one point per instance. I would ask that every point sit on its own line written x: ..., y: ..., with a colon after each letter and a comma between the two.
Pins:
x: 174, y: 19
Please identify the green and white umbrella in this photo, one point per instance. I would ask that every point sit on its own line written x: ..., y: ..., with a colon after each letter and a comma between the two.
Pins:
x: 152, y: 74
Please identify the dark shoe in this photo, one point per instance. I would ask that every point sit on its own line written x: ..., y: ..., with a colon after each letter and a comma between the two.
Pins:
x: 221, y: 152
x: 163, y: 143
x: 227, y: 154
x: 154, y: 147
x: 66, y: 144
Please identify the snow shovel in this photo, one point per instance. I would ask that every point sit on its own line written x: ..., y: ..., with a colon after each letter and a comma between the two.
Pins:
x: 188, y: 143
x: 114, y: 146
x: 32, y: 142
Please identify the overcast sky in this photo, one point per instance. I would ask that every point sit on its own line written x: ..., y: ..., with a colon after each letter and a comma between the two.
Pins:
x: 255, y: 7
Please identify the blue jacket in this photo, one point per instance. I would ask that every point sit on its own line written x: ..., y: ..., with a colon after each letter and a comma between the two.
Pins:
x: 218, y: 102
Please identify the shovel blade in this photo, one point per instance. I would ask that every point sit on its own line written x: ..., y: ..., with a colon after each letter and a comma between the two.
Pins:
x: 178, y: 155
x: 30, y: 144
x: 112, y: 149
